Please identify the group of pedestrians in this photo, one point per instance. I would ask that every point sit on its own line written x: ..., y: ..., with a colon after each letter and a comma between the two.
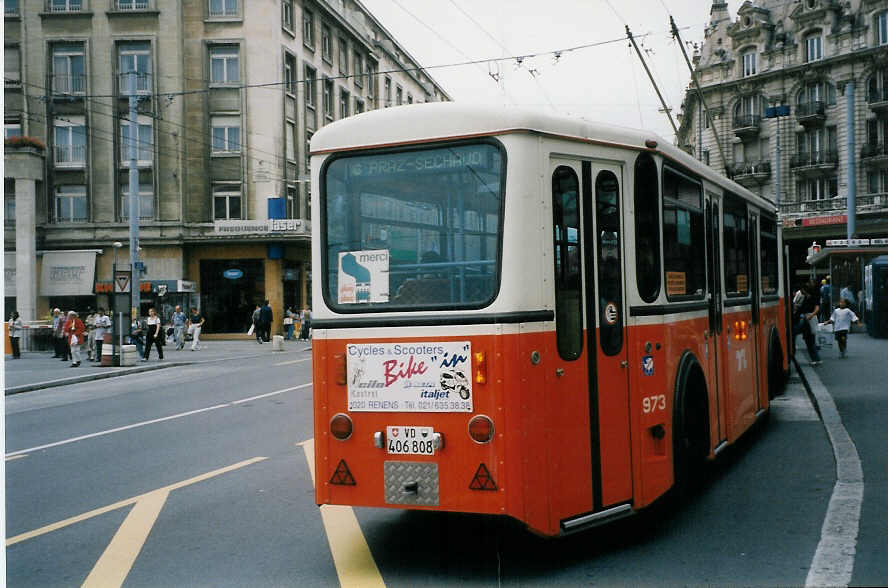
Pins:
x: 263, y: 317
x: 811, y: 303
x: 152, y: 333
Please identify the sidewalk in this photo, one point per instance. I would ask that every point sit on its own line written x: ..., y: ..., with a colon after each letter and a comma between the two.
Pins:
x: 37, y: 369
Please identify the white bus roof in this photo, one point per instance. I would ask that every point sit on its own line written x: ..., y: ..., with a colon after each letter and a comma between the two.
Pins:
x: 433, y: 121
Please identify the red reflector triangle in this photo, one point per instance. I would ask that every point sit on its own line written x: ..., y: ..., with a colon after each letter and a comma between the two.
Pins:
x: 342, y: 476
x: 482, y: 479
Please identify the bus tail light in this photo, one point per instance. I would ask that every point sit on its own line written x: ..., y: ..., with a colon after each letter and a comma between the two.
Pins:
x: 741, y: 332
x: 481, y: 429
x: 480, y: 367
x: 339, y: 368
x: 341, y: 426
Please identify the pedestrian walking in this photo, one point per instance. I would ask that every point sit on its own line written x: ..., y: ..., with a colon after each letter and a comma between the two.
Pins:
x: 842, y: 317
x: 66, y: 340
x: 179, y: 320
x: 90, y: 323
x: 289, y: 318
x: 154, y: 335
x: 266, y: 317
x: 74, y: 333
x: 305, y: 331
x: 16, y: 328
x: 257, y: 323
x: 102, y: 325
x: 807, y: 315
x: 195, y: 324
x: 825, y: 298
x: 58, y: 335
x: 136, y: 336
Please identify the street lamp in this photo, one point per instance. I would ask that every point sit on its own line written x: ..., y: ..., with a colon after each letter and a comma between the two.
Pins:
x: 119, y: 318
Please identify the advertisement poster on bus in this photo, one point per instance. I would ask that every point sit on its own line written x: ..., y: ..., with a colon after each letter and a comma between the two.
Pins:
x: 363, y: 276
x: 410, y: 377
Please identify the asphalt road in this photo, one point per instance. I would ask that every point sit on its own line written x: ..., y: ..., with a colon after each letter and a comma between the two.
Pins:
x: 195, y: 476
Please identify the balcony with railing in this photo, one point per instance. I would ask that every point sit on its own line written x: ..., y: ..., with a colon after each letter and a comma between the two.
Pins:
x: 142, y: 82
x: 814, y: 161
x: 746, y: 124
x: 70, y: 155
x: 130, y: 5
x: 11, y: 8
x: 69, y: 84
x: 864, y: 203
x: 877, y: 99
x: 751, y: 174
x: 874, y: 154
x: 811, y: 113
x: 64, y: 6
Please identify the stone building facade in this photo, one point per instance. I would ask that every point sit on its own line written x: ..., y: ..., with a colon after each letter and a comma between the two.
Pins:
x: 229, y: 94
x: 827, y: 61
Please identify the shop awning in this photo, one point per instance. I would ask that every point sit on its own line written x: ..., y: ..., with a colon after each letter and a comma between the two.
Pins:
x: 68, y: 273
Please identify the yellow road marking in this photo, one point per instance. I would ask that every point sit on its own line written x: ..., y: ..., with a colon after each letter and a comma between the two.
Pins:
x: 127, y: 502
x: 120, y: 555
x: 351, y: 554
x: 12, y: 457
x: 294, y: 361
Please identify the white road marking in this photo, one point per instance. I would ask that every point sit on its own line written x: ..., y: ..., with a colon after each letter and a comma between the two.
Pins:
x: 833, y: 562
x: 293, y: 361
x: 153, y: 421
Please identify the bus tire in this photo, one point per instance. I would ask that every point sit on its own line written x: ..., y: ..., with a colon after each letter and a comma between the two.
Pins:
x: 776, y: 375
x: 690, y: 426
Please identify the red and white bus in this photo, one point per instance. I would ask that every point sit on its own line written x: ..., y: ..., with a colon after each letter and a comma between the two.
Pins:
x: 532, y: 316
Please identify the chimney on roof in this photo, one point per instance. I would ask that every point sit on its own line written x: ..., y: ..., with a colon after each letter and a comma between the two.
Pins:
x: 718, y: 13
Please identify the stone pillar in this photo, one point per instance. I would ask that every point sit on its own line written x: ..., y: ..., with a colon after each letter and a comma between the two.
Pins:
x: 24, y: 164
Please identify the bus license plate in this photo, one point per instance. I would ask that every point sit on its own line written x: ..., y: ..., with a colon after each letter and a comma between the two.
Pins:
x: 409, y: 440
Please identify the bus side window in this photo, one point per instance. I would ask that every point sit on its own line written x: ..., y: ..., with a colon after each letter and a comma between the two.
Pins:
x: 684, y: 242
x: 768, y: 247
x: 736, y: 231
x: 566, y: 235
x: 647, y: 228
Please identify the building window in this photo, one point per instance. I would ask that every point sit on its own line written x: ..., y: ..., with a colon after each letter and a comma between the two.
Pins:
x: 308, y: 37
x: 12, y: 66
x: 144, y: 143
x: 132, y: 4
x: 146, y: 201
x: 328, y: 99
x: 309, y: 132
x: 813, y: 48
x: 68, y: 74
x: 226, y: 134
x: 822, y: 92
x: 387, y: 96
x: 223, y: 8
x: 877, y: 181
x: 706, y: 156
x: 882, y: 28
x: 290, y: 74
x: 749, y: 63
x: 877, y: 87
x: 817, y: 189
x: 287, y: 14
x: 226, y: 202
x: 135, y: 58
x: 343, y: 104
x: 9, y: 201
x: 399, y: 96
x: 359, y: 69
x: 359, y: 106
x: 65, y: 5
x: 326, y: 44
x: 70, y: 204
x: 343, y: 56
x: 292, y: 201
x: 371, y: 80
x: 224, y: 65
x: 290, y: 140
x: 69, y: 141
x: 12, y: 129
x: 409, y: 99
x: 11, y: 7
x: 309, y: 86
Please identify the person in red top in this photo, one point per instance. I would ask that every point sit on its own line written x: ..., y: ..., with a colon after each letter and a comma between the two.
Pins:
x: 74, y: 329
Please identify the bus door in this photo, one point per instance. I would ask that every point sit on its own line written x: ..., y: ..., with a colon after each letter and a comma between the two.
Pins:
x: 714, y: 333
x: 605, y: 334
x: 755, y: 323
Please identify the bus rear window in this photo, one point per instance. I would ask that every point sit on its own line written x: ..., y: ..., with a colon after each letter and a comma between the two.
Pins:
x: 413, y: 229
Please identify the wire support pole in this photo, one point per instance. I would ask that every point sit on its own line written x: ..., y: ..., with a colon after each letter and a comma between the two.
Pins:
x: 134, y: 200
x: 677, y: 36
x: 666, y: 109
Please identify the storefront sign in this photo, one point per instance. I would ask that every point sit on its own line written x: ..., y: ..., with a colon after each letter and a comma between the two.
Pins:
x: 68, y: 273
x: 410, y: 377
x: 816, y: 221
x: 9, y: 273
x: 259, y: 227
x: 233, y: 274
x: 855, y: 242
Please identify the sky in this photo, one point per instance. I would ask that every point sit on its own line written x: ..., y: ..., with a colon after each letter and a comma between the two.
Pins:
x: 605, y: 83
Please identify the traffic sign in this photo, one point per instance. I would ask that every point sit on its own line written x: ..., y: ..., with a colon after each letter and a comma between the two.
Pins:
x: 121, y: 282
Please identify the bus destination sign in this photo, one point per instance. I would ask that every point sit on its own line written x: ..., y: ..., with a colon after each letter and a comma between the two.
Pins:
x: 409, y: 377
x: 430, y: 161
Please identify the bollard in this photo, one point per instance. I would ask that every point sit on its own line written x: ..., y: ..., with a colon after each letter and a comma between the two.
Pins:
x: 277, y: 343
x: 128, y: 355
x: 108, y: 350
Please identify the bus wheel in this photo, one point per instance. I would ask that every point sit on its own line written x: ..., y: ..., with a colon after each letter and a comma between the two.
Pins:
x: 776, y: 378
x: 690, y: 442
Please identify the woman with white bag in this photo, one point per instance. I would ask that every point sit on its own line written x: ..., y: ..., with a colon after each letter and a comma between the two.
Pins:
x: 74, y: 329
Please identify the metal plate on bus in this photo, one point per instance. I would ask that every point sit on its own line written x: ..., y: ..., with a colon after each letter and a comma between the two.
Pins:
x: 411, y: 483
x: 409, y: 440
